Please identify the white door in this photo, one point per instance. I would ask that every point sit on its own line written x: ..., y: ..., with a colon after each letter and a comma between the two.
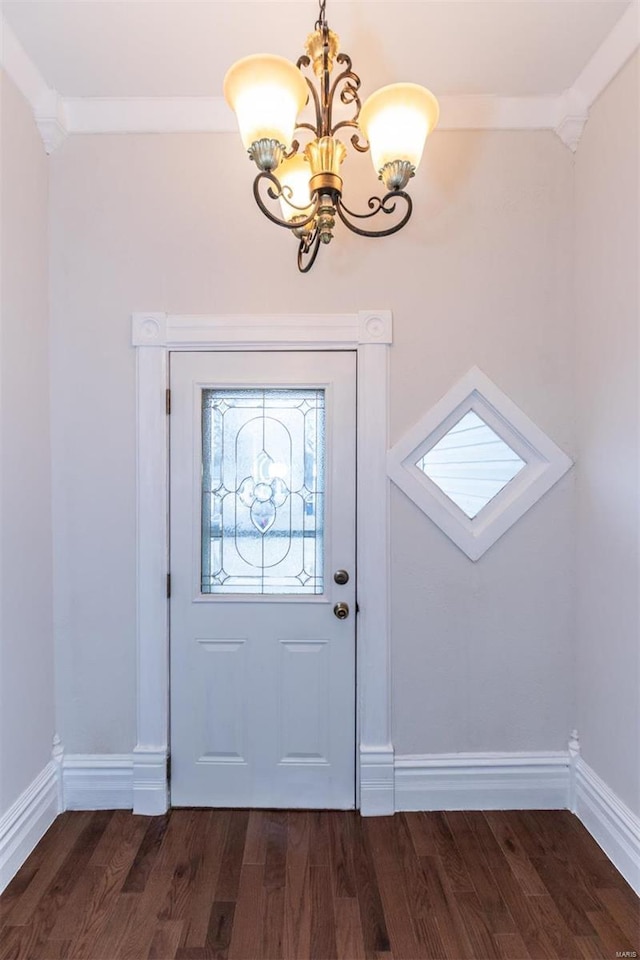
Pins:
x: 262, y: 526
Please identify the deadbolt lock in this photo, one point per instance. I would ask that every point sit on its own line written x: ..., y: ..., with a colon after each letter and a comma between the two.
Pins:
x: 341, y: 577
x: 341, y: 610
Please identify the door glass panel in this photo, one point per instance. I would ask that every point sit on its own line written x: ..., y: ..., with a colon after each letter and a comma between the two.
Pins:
x: 263, y: 455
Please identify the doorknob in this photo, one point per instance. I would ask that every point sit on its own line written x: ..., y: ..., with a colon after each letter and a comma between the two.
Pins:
x: 341, y: 610
x: 341, y: 577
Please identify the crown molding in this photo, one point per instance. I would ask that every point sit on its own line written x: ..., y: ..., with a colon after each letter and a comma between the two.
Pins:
x: 212, y: 115
x: 149, y: 115
x: 565, y: 114
x: 48, y: 107
x: 610, y: 57
x: 20, y: 67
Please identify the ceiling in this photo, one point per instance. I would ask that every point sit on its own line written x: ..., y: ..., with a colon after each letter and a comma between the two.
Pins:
x: 181, y: 48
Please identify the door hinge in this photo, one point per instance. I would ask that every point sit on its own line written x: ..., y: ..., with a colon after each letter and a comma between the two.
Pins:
x: 167, y: 401
x: 168, y: 586
x: 169, y: 768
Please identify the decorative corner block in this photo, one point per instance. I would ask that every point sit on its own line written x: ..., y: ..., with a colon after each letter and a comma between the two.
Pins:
x: 148, y: 329
x: 475, y: 463
x: 375, y: 326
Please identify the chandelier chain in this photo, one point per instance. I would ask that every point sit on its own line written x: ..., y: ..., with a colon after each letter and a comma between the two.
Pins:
x: 322, y: 17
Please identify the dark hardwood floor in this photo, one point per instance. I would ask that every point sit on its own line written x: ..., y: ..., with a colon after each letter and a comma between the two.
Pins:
x: 293, y: 885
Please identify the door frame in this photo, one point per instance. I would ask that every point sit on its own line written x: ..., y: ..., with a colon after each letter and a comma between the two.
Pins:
x: 154, y: 336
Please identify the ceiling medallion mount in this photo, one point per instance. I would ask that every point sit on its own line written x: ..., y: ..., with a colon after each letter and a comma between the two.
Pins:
x: 268, y: 93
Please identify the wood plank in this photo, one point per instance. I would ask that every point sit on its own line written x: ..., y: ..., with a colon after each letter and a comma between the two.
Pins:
x: 297, y: 912
x: 231, y: 865
x: 22, y: 909
x: 255, y: 848
x: 393, y: 893
x: 341, y: 853
x: 479, y: 823
x: 453, y: 934
x: 478, y: 925
x: 116, y: 930
x: 349, y: 938
x: 272, y: 947
x: 185, y: 868
x: 140, y: 928
x: 591, y: 949
x: 571, y: 896
x: 91, y: 900
x: 526, y: 917
x: 421, y: 907
x: 550, y: 919
x: 510, y: 847
x: 246, y: 937
x: 610, y: 935
x: 43, y: 853
x: 71, y: 873
x: 372, y: 919
x: 510, y: 946
x: 623, y: 910
x: 533, y: 841
x: 421, y: 830
x: 457, y: 875
x: 323, y: 924
x: 276, y: 850
x: 146, y: 856
x: 196, y: 917
x: 166, y: 940
x: 319, y: 849
x: 220, y: 928
x: 493, y: 906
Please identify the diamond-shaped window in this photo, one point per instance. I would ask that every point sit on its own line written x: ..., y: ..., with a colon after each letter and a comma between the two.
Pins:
x: 471, y: 464
x: 475, y: 463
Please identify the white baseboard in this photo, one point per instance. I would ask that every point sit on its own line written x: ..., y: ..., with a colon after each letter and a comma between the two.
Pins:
x: 377, y: 781
x: 128, y: 781
x: 97, y: 781
x: 27, y: 821
x: 609, y: 821
x: 482, y: 781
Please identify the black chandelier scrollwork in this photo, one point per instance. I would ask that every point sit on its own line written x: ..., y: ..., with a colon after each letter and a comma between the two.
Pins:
x: 313, y: 224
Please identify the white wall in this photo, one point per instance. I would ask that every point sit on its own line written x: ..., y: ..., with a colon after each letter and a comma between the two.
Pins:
x: 482, y: 275
x: 608, y: 404
x: 26, y: 648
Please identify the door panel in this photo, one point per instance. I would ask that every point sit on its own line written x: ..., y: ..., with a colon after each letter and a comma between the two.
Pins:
x: 262, y: 515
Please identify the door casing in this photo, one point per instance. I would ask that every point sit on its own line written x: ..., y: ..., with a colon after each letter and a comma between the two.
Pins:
x: 155, y: 335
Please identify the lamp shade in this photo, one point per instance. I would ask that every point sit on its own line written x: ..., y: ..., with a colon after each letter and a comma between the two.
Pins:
x: 396, y: 121
x: 267, y: 93
x: 294, y: 175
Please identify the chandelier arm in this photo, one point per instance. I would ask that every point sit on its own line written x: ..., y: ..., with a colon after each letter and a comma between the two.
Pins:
x: 318, y: 109
x: 308, y: 248
x: 386, y: 204
x: 295, y: 146
x: 307, y: 126
x: 275, y: 192
x: 362, y: 146
x: 348, y: 95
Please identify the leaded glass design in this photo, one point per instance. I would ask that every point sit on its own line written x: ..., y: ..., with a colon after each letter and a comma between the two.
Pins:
x: 263, y: 455
x: 471, y: 464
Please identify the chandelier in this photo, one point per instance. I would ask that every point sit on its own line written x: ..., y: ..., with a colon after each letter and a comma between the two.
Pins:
x: 268, y: 94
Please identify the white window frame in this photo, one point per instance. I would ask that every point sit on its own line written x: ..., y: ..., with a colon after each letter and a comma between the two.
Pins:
x: 154, y: 336
x: 545, y: 463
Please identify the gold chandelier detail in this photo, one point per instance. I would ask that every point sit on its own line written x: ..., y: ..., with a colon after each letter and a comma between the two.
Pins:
x: 268, y: 94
